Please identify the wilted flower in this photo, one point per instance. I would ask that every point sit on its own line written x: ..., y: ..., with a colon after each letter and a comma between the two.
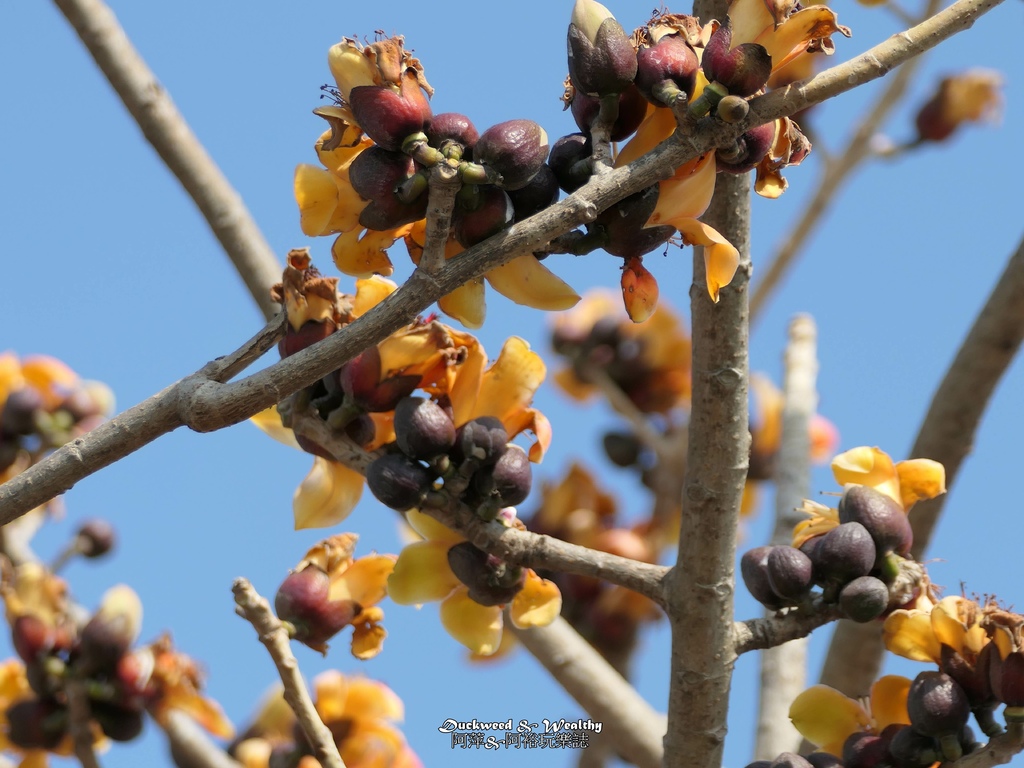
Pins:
x: 969, y: 97
x: 424, y: 573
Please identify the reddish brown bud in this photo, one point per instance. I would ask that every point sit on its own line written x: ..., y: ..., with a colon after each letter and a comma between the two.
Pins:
x: 117, y: 722
x: 422, y: 428
x: 482, y: 440
x: 743, y: 70
x: 490, y: 581
x: 95, y: 538
x: 789, y: 573
x: 451, y: 128
x: 748, y: 150
x: 397, y: 481
x: 491, y: 211
x: 515, y: 149
x: 309, y: 334
x: 388, y: 117
x: 303, y: 600
x: 754, y: 570
x: 540, y: 192
x: 937, y: 706
x: 570, y: 161
x: 883, y: 518
x: 601, y: 57
x: 36, y: 723
x: 632, y: 111
x: 668, y: 65
x: 32, y: 637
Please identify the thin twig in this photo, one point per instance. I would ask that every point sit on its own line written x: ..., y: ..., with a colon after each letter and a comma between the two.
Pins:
x: 620, y: 402
x: 444, y: 185
x: 947, y: 436
x: 1000, y: 750
x: 256, y: 610
x: 80, y: 718
x: 836, y: 171
x: 634, y: 727
x: 772, y: 631
x: 164, y: 127
x: 207, y: 405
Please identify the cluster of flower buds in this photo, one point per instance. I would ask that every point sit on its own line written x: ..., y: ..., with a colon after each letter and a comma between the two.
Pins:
x: 475, y: 462
x: 382, y: 91
x: 120, y: 682
x: 43, y: 405
x: 860, y: 564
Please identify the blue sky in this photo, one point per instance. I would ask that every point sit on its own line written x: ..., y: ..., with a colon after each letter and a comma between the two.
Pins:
x: 108, y: 266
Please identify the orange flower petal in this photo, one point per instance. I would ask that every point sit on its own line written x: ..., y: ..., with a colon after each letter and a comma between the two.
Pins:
x: 365, y: 581
x: 687, y: 194
x: 269, y: 421
x: 331, y: 693
x: 363, y: 257
x: 656, y: 127
x: 421, y: 574
x: 431, y: 529
x: 467, y: 303
x: 317, y: 196
x: 721, y: 258
x: 370, y: 292
x: 526, y: 281
x: 867, y: 466
x: 508, y: 385
x: 946, y: 624
x: 909, y: 634
x: 792, y: 37
x: 537, y: 604
x: 889, y: 701
x: 920, y: 479
x: 370, y: 699
x: 825, y: 717
x: 367, y: 634
x: 327, y: 495
x: 478, y: 627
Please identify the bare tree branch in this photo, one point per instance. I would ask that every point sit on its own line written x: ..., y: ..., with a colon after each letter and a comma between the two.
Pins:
x: 946, y: 435
x: 205, y: 405
x: 634, y: 727
x: 702, y: 583
x: 784, y: 667
x: 772, y: 631
x: 256, y: 610
x: 164, y: 127
x: 190, y: 746
x: 1000, y: 750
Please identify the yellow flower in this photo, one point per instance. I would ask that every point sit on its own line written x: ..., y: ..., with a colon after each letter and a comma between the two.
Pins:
x: 423, y: 574
x: 906, y: 482
x: 524, y: 280
x: 14, y: 688
x: 826, y: 718
x: 361, y: 581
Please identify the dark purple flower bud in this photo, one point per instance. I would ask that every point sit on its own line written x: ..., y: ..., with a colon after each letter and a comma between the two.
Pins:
x: 601, y: 57
x: 864, y: 599
x: 1007, y: 676
x: 666, y: 69
x: 118, y: 722
x: 884, y: 519
x: 376, y: 175
x: 491, y: 211
x: 623, y: 225
x: 515, y: 149
x: 397, y: 481
x: 388, y: 117
x: 482, y: 440
x: 748, y: 150
x: 621, y: 448
x: 743, y: 70
x: 308, y: 334
x: 512, y: 476
x: 864, y: 750
x: 754, y: 570
x: 570, y: 160
x: 789, y: 573
x: 95, y: 538
x: 938, y: 707
x: 845, y: 553
x: 910, y: 748
x: 19, y: 413
x: 451, y: 129
x: 632, y: 111
x: 32, y: 637
x: 423, y: 430
x: 540, y: 192
x: 36, y: 723
x: 490, y: 581
x: 360, y: 380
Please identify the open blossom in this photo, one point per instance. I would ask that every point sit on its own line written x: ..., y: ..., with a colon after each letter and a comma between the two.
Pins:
x: 424, y: 574
x: 905, y: 482
x: 826, y: 717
